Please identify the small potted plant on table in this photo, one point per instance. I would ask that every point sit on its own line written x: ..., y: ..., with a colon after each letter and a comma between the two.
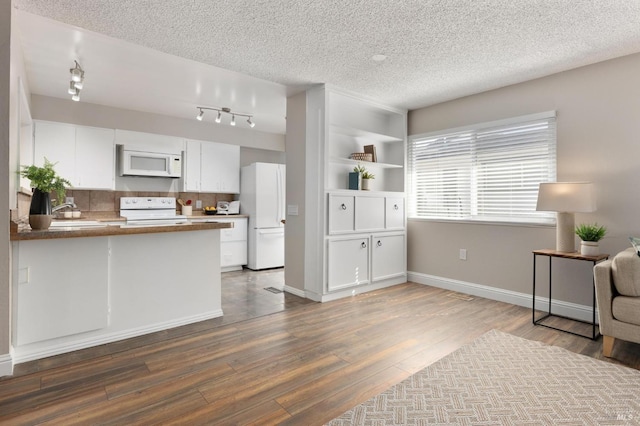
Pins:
x: 43, y: 180
x: 590, y: 234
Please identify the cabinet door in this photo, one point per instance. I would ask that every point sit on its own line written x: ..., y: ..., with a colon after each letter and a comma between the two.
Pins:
x: 348, y: 263
x: 192, y: 170
x: 387, y: 256
x: 369, y: 213
x: 95, y: 158
x: 237, y: 233
x: 394, y: 208
x: 52, y: 302
x: 341, y: 214
x: 220, y: 168
x: 57, y: 143
x: 233, y: 253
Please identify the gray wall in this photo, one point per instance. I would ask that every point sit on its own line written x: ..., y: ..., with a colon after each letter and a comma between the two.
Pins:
x: 294, y: 235
x: 598, y: 124
x: 5, y: 124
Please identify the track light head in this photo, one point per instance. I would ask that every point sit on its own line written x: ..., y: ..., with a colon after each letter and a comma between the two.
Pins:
x: 219, y: 117
x: 251, y: 123
x: 77, y: 74
x: 78, y: 84
x: 73, y: 90
x: 76, y: 97
x: 199, y: 117
x: 225, y: 110
x: 233, y: 120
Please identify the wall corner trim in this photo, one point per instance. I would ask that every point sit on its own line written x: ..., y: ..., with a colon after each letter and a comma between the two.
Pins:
x: 6, y: 365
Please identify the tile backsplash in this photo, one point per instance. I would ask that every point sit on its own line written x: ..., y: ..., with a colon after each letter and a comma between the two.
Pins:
x: 107, y: 203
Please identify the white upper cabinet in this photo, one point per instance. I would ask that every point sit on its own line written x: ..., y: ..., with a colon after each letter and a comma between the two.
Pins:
x: 85, y: 156
x: 212, y: 167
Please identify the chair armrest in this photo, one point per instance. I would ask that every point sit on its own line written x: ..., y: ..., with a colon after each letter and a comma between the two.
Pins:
x: 604, y: 295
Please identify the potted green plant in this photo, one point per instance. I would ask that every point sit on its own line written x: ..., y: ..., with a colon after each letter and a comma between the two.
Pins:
x: 590, y: 234
x: 44, y: 180
x: 364, y: 175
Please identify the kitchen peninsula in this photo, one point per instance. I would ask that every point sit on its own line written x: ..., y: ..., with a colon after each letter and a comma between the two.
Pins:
x: 79, y: 287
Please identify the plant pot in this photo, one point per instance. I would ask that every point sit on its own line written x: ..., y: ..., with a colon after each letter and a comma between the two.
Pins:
x: 365, y: 184
x: 40, y: 210
x: 40, y: 222
x: 589, y: 248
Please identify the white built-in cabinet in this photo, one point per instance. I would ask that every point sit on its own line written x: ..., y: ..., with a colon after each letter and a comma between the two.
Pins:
x: 233, y: 244
x: 211, y: 167
x: 85, y: 156
x: 362, y: 233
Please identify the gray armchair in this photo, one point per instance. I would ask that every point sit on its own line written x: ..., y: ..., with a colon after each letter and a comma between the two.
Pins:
x: 618, y: 294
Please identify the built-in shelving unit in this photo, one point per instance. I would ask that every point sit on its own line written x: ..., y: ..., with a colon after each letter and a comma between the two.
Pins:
x: 360, y: 235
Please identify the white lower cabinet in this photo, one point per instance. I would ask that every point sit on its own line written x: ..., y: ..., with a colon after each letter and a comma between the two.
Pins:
x: 348, y: 262
x: 62, y: 288
x: 388, y: 258
x: 233, y: 244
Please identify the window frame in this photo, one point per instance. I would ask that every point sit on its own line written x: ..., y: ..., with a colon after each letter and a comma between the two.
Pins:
x: 547, y: 171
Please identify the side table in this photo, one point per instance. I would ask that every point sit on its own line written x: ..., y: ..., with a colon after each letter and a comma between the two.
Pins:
x: 576, y: 256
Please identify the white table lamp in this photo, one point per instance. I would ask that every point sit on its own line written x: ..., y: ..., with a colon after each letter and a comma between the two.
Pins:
x: 566, y: 198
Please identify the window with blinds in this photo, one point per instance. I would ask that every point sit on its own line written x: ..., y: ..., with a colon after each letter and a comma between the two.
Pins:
x: 486, y: 172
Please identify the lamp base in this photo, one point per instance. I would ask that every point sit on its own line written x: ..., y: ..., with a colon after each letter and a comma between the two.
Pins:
x: 565, y: 232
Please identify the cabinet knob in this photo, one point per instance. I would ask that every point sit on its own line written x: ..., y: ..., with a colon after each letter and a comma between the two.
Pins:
x: 379, y: 243
x: 395, y: 206
x: 343, y: 206
x: 363, y: 245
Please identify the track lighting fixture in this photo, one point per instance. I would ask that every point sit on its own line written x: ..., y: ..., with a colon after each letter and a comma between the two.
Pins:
x: 77, y: 81
x: 218, y: 118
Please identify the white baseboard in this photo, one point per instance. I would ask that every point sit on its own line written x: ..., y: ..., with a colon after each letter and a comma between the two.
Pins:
x: 6, y: 365
x: 294, y: 291
x: 45, y: 349
x: 559, y: 307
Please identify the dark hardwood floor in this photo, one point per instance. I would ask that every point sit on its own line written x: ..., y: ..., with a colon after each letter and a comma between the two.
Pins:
x: 272, y: 359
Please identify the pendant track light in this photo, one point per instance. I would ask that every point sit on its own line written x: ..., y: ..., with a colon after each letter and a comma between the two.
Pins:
x: 218, y: 118
x: 77, y: 81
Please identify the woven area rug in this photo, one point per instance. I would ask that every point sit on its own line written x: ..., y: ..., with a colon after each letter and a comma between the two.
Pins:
x: 500, y: 379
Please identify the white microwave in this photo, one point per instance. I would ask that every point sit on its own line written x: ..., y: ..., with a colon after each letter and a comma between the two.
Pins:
x: 132, y: 162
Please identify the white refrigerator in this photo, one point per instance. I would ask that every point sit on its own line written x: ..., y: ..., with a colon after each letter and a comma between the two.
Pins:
x: 262, y: 197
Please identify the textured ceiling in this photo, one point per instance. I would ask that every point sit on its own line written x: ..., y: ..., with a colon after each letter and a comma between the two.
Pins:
x: 436, y: 50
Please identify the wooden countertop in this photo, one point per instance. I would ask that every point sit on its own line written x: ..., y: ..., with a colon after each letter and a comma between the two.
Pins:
x: 19, y: 233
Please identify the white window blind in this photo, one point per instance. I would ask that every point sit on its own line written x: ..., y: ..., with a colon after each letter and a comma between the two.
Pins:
x: 488, y: 172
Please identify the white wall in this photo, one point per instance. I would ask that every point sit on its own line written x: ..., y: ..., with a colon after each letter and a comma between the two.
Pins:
x: 598, y: 123
x: 67, y: 111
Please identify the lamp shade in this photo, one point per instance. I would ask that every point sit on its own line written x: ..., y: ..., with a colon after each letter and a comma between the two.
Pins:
x: 574, y: 197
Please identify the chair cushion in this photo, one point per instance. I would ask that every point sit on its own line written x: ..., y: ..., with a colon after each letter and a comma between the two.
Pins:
x: 626, y: 309
x: 625, y: 270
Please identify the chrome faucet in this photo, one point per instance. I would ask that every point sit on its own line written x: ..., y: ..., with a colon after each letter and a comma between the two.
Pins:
x: 62, y: 206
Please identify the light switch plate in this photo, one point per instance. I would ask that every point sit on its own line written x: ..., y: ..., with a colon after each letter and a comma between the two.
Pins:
x: 198, y: 204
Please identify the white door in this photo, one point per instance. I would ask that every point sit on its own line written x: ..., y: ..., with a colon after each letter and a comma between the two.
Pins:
x: 269, y: 195
x: 95, y: 158
x: 266, y: 248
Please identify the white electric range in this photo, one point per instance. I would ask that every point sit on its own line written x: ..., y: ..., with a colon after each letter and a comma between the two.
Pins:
x: 150, y: 211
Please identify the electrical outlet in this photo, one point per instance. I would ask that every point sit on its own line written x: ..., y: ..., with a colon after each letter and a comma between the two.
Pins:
x: 69, y: 200
x: 463, y: 254
x: 198, y: 204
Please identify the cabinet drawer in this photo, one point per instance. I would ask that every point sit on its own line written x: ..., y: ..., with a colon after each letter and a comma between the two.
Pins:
x: 237, y: 233
x: 341, y: 213
x: 233, y: 253
x: 369, y: 213
x: 394, y: 209
x: 348, y: 263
